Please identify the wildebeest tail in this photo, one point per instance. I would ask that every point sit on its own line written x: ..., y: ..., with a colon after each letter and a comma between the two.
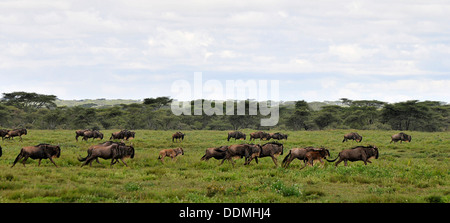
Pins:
x: 286, y: 158
x: 81, y: 159
x: 334, y: 159
x: 18, y: 157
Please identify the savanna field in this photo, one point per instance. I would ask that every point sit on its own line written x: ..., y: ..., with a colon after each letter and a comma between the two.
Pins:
x: 403, y: 173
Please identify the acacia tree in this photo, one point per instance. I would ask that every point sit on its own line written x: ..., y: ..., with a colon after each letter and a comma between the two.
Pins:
x: 28, y: 100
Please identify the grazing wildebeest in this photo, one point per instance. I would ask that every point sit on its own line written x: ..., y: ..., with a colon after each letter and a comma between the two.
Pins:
x: 298, y: 153
x: 172, y: 153
x: 400, y: 136
x: 15, y: 133
x: 123, y: 134
x: 316, y: 155
x: 278, y: 136
x: 178, y: 136
x: 216, y: 153
x: 363, y: 153
x: 354, y: 136
x: 92, y: 134
x: 79, y: 133
x: 113, y: 151
x: 272, y: 149
x: 249, y: 151
x: 3, y: 133
x: 41, y: 151
x: 259, y: 135
x: 236, y: 135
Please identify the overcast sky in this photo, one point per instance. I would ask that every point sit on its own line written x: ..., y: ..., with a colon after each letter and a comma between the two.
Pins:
x: 318, y: 50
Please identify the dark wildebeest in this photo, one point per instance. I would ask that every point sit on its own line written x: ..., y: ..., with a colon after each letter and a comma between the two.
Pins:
x: 3, y: 133
x: 41, y: 151
x: 400, y: 136
x: 259, y: 135
x: 278, y: 136
x: 92, y: 134
x: 363, y: 153
x: 316, y: 155
x: 15, y: 133
x: 172, y: 153
x: 114, y: 151
x: 0, y: 151
x: 298, y: 153
x: 272, y: 149
x: 354, y: 136
x: 79, y: 133
x: 249, y: 151
x: 236, y: 135
x: 216, y: 153
x: 178, y: 135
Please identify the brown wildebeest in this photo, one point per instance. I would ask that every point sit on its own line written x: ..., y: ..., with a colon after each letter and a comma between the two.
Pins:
x: 105, y: 144
x: 92, y: 134
x: 400, y: 137
x: 172, y: 153
x: 3, y: 133
x: 278, y: 136
x: 236, y: 135
x: 216, y: 153
x: 249, y: 151
x: 41, y: 151
x: 298, y: 153
x: 259, y: 135
x: 272, y: 149
x: 316, y: 155
x: 353, y: 136
x: 114, y: 151
x: 123, y: 134
x: 15, y: 133
x: 363, y: 153
x: 178, y: 136
x: 79, y: 133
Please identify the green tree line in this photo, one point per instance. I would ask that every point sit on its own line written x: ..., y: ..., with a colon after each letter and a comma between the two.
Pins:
x: 37, y: 111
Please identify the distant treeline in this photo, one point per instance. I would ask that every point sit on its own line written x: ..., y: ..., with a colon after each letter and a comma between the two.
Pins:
x: 36, y: 111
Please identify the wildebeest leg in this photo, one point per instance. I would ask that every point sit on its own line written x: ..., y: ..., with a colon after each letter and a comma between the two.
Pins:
x: 50, y: 158
x: 304, y: 166
x: 345, y: 162
x: 97, y: 160
x: 39, y: 164
x: 275, y: 161
x: 123, y: 162
x: 24, y: 160
x: 336, y: 164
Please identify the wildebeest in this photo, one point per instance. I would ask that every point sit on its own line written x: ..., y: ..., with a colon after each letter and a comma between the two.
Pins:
x: 3, y: 133
x: 363, y: 153
x: 15, y: 133
x: 400, y: 136
x: 249, y: 151
x: 41, y: 151
x: 272, y: 149
x: 123, y: 134
x: 316, y: 155
x: 0, y: 151
x: 79, y: 133
x: 298, y: 153
x: 92, y: 134
x: 353, y: 136
x: 113, y: 151
x: 236, y: 135
x: 172, y: 153
x: 259, y: 135
x: 278, y: 136
x: 216, y: 153
x: 178, y: 136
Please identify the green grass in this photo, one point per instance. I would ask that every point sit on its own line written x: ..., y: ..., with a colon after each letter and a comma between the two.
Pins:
x: 407, y: 172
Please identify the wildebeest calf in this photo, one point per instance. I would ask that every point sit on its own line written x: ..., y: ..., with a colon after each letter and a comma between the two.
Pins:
x: 41, y: 151
x: 172, y: 153
x: 316, y: 155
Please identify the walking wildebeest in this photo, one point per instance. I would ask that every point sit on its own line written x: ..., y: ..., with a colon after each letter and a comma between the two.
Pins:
x: 172, y: 153
x: 178, y: 135
x: 400, y: 136
x: 259, y: 135
x: 92, y: 134
x: 79, y: 133
x: 249, y: 151
x: 278, y: 136
x: 363, y: 153
x: 3, y: 133
x: 272, y: 149
x: 298, y: 153
x: 114, y: 151
x: 354, y: 136
x: 216, y: 153
x: 15, y: 133
x: 236, y: 135
x: 41, y: 151
x: 316, y: 155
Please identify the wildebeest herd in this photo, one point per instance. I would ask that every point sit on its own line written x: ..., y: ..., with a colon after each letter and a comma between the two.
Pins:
x: 118, y: 151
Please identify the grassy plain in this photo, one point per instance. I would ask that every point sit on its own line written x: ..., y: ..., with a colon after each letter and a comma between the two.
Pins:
x: 406, y: 172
